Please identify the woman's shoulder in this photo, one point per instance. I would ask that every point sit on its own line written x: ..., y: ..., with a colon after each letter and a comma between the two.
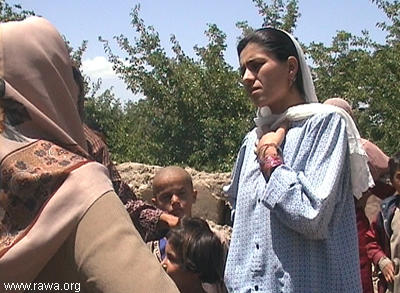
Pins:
x: 251, y: 136
x: 320, y: 120
x: 314, y: 113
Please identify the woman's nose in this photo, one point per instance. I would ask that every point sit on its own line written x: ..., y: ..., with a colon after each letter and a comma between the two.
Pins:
x: 248, y: 77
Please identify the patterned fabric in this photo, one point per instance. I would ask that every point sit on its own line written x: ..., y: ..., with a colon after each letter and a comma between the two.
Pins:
x: 144, y: 216
x: 296, y: 231
x: 157, y: 247
x: 361, y: 178
x: 29, y: 177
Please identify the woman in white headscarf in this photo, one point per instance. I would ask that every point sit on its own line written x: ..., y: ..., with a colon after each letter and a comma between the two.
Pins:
x: 61, y: 222
x: 294, y: 223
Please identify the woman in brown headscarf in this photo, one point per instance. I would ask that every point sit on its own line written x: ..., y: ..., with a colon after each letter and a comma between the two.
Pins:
x: 60, y: 218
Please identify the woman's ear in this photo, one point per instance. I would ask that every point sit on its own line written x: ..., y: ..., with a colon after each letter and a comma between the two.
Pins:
x: 293, y: 66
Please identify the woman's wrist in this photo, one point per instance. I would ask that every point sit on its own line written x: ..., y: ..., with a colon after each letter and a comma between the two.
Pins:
x: 268, y: 159
x: 268, y: 149
x: 383, y: 262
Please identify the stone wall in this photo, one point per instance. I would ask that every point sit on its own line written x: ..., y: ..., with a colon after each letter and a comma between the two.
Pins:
x: 211, y: 202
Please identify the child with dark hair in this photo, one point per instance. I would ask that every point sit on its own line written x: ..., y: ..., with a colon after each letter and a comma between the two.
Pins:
x: 384, y: 235
x: 195, y: 257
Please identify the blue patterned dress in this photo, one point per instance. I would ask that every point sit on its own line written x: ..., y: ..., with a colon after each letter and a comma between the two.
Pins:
x: 296, y: 231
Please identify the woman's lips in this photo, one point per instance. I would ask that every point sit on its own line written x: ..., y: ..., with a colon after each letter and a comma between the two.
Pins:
x: 255, y: 91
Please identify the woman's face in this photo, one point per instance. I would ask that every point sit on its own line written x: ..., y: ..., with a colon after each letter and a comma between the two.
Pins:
x: 266, y: 79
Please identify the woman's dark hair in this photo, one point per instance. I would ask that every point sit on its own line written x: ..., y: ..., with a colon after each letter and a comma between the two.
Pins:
x: 394, y: 165
x: 198, y: 248
x: 276, y: 42
x: 80, y: 82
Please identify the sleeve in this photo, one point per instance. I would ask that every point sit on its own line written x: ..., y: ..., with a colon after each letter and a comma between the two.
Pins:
x: 305, y: 200
x: 145, y: 217
x: 375, y: 248
x: 111, y: 256
x: 232, y: 189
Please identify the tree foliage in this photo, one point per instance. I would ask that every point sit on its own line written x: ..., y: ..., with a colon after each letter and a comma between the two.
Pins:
x: 279, y: 14
x: 196, y: 113
x: 13, y: 12
x: 365, y: 74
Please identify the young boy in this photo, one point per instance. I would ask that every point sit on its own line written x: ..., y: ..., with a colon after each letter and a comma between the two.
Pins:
x: 172, y: 193
x: 384, y: 235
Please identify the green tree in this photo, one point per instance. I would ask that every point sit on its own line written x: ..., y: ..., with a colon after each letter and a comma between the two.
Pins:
x: 195, y: 111
x: 365, y: 74
x: 13, y: 12
x: 279, y: 14
x: 105, y: 114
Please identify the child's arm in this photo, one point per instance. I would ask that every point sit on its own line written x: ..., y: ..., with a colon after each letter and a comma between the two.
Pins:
x: 375, y: 250
x: 387, y: 268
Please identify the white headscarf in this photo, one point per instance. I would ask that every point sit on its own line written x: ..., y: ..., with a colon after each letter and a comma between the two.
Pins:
x: 361, y: 178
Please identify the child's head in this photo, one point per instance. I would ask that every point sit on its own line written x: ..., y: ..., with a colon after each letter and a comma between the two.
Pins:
x: 173, y: 191
x: 394, y: 171
x: 341, y: 103
x: 193, y: 254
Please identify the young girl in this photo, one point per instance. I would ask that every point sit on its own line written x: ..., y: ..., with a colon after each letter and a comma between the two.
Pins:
x: 195, y: 257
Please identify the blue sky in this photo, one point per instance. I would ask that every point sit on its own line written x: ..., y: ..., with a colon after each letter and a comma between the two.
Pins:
x: 86, y: 20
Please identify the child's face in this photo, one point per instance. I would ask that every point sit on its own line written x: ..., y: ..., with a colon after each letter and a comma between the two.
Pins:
x: 174, y: 195
x: 172, y: 265
x: 396, y: 181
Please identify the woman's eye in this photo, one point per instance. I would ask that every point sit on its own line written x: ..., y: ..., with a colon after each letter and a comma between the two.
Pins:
x: 254, y: 66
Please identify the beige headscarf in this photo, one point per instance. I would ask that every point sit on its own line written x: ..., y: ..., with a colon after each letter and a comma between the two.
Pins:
x: 42, y: 150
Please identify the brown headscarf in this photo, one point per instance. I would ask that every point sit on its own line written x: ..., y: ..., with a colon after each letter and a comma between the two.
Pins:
x: 341, y: 103
x: 47, y: 182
